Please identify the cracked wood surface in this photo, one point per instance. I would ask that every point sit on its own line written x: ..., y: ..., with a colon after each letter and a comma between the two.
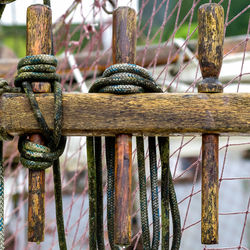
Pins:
x: 148, y: 114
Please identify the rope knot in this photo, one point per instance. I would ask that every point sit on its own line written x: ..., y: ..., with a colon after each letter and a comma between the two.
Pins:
x: 125, y: 78
x: 39, y: 157
x: 40, y: 68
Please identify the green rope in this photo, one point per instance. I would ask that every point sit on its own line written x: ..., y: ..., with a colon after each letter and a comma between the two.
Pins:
x: 143, y: 193
x: 99, y: 191
x: 92, y: 193
x: 154, y: 193
x: 128, y: 79
x: 168, y: 197
x: 110, y: 159
x: 164, y: 154
x: 35, y: 156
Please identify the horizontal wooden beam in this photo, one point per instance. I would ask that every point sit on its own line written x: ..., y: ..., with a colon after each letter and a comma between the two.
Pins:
x: 148, y: 114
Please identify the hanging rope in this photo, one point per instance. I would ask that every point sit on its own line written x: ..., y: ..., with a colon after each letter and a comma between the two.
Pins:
x: 4, y: 87
x: 34, y: 156
x: 4, y: 136
x: 42, y: 68
x: 128, y: 79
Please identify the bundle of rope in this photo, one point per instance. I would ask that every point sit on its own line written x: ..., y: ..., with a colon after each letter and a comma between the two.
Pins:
x: 127, y: 79
x: 35, y: 156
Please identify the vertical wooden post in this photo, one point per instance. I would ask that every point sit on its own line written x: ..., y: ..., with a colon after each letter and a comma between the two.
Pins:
x: 39, y: 23
x: 210, y: 53
x: 124, y: 49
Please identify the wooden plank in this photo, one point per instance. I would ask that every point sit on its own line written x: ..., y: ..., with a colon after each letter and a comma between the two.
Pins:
x: 149, y: 114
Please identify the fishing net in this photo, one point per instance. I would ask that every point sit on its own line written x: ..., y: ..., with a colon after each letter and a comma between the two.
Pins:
x: 166, y: 46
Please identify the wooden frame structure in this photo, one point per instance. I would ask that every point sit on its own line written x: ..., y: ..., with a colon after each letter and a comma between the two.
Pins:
x: 137, y: 114
x: 209, y: 113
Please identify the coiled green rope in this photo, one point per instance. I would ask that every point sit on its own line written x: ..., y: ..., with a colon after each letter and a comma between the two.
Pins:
x: 128, y: 79
x: 35, y: 156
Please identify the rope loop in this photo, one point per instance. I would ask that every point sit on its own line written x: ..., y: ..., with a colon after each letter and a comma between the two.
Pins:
x: 40, y: 68
x: 125, y: 78
x: 38, y: 157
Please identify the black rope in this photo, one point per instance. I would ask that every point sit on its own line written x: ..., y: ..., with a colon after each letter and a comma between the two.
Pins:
x: 34, y: 156
x: 128, y: 79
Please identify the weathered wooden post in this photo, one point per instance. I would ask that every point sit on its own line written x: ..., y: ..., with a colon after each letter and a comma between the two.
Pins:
x: 39, y: 23
x: 124, y: 47
x: 210, y: 52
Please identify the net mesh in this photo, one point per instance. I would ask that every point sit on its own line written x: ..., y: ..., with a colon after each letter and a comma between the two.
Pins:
x: 167, y: 39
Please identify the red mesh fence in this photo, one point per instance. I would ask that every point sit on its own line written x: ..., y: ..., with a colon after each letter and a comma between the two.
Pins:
x: 167, y: 46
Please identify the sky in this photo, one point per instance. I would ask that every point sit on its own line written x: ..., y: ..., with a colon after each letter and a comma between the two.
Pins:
x: 15, y: 13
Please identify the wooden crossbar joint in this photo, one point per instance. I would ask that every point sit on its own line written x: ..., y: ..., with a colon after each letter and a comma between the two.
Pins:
x: 39, y: 24
x: 139, y: 114
x: 124, y: 49
x: 210, y: 53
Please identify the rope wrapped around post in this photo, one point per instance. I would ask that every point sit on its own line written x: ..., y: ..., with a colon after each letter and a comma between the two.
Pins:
x: 127, y: 79
x: 36, y: 73
x: 35, y: 156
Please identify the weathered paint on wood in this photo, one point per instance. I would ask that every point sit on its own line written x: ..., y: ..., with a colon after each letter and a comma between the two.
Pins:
x: 210, y: 54
x: 211, y: 38
x: 148, y: 114
x: 123, y: 188
x: 124, y: 51
x: 39, y: 25
x: 210, y: 168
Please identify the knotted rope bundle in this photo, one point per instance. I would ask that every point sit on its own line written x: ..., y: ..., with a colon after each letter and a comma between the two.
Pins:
x: 34, y: 156
x: 122, y: 79
x: 127, y: 79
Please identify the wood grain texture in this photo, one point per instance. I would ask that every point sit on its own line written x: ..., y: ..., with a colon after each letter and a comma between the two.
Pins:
x: 123, y: 182
x: 148, y: 114
x: 210, y: 169
x: 210, y: 54
x: 39, y: 23
x: 211, y: 38
x: 124, y: 51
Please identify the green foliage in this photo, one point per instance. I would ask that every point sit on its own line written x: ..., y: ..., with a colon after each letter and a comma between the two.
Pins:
x: 181, y: 13
x: 184, y: 31
x: 14, y: 37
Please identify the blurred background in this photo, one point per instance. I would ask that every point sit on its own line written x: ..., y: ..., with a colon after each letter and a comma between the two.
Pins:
x: 167, y: 46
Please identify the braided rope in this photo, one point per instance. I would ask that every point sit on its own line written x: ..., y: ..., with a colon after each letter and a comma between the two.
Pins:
x: 129, y: 79
x: 35, y: 156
